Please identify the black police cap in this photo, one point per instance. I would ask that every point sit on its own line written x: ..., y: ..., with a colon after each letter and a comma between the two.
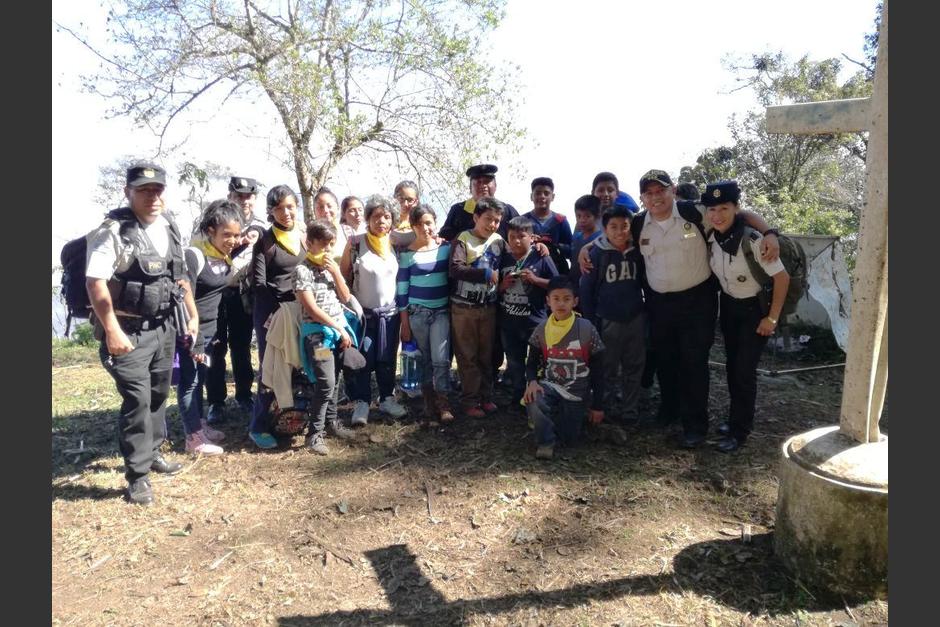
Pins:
x: 721, y: 191
x: 145, y: 172
x: 243, y: 185
x: 482, y: 169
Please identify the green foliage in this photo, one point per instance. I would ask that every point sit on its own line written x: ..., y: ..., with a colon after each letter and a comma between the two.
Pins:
x: 83, y: 335
x: 408, y: 80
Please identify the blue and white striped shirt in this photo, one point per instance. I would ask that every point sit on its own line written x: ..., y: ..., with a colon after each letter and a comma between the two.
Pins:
x: 422, y: 278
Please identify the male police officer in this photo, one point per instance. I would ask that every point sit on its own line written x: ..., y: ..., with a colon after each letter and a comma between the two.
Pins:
x: 235, y: 325
x: 682, y: 300
x: 134, y: 272
x: 460, y: 216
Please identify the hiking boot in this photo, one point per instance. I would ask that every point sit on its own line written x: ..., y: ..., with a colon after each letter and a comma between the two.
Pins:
x: 443, y: 407
x: 474, y: 412
x: 210, y: 434
x: 216, y: 414
x: 489, y: 407
x: 341, y: 431
x: 545, y: 451
x: 728, y: 444
x: 391, y: 407
x: 139, y: 491
x: 197, y: 444
x: 263, y: 440
x: 691, y: 441
x: 317, y: 444
x: 360, y: 415
x: 161, y: 465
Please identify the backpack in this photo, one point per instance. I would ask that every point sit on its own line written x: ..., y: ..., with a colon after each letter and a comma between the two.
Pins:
x: 793, y: 258
x: 74, y: 259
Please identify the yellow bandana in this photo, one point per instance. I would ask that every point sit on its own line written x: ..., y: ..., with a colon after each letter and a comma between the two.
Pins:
x: 476, y: 246
x: 404, y: 226
x: 289, y: 240
x: 381, y: 246
x: 211, y: 251
x: 470, y: 205
x: 555, y: 330
x: 317, y: 259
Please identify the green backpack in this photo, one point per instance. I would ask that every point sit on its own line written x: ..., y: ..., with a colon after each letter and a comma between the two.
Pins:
x: 794, y: 261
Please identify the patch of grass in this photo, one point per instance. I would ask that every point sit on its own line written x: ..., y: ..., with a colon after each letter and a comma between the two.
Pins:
x: 67, y: 352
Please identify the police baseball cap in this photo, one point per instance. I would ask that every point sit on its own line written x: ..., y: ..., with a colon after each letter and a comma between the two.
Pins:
x: 243, y: 185
x: 721, y: 191
x: 481, y: 170
x: 145, y: 172
x: 543, y: 180
x: 655, y: 176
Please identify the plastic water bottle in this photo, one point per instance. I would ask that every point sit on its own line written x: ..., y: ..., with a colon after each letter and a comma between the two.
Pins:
x: 410, y: 368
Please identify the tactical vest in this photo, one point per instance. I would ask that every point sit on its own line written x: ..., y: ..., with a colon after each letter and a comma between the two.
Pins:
x: 145, y: 288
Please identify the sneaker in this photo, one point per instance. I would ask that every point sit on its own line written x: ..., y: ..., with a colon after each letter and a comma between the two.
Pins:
x: 360, y: 415
x: 489, y: 407
x: 216, y: 414
x: 246, y: 405
x: 197, y: 444
x: 212, y: 435
x: 473, y: 412
x: 546, y: 451
x: 263, y: 440
x: 316, y: 444
x: 391, y: 407
x: 139, y: 491
x: 341, y: 431
x: 446, y: 415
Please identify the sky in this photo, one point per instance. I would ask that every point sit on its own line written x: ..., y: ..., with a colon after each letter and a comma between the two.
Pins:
x: 610, y: 85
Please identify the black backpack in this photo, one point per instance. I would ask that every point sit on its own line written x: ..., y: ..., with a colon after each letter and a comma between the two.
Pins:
x: 74, y: 257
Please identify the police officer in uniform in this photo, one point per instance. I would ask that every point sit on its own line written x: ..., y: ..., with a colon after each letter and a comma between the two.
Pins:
x: 235, y: 325
x: 135, y: 270
x: 460, y: 216
x: 682, y: 301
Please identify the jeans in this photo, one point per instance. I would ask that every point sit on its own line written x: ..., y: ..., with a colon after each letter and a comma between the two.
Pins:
x: 265, y: 305
x: 383, y: 365
x: 430, y: 328
x: 515, y: 334
x: 189, y: 390
x: 323, y: 407
x: 556, y: 418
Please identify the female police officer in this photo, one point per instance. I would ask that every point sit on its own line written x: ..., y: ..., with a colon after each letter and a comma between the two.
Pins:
x: 135, y: 265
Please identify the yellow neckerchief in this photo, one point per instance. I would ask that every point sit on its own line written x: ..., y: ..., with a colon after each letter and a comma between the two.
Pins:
x: 211, y: 251
x: 555, y: 330
x: 289, y: 240
x: 404, y: 225
x: 474, y: 250
x: 470, y: 205
x: 380, y: 245
x: 317, y: 259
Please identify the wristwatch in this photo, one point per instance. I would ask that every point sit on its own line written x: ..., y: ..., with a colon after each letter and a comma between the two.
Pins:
x: 771, y: 232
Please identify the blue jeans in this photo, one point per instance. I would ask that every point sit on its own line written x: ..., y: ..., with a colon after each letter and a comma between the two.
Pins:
x: 556, y: 418
x: 189, y: 390
x: 430, y: 328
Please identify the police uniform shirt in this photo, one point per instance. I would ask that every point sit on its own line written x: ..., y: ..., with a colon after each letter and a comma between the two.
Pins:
x: 674, y: 252
x: 733, y: 272
x: 108, y: 254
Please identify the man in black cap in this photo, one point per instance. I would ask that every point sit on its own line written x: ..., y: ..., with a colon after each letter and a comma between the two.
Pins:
x: 235, y: 324
x: 135, y: 271
x: 482, y: 184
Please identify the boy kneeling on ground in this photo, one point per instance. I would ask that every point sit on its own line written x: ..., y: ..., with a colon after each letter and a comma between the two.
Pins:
x: 566, y: 347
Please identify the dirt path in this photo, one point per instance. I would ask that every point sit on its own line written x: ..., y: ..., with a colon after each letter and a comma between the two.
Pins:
x: 411, y: 526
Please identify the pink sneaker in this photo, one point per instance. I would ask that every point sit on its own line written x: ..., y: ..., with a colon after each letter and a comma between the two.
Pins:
x: 212, y: 435
x: 196, y: 443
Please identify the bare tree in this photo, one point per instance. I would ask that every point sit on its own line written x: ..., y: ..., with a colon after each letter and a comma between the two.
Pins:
x: 406, y: 79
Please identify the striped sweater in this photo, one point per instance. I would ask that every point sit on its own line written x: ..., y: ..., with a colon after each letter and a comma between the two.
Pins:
x: 422, y: 278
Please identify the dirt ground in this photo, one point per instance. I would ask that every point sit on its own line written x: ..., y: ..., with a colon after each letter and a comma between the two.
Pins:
x: 455, y: 525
